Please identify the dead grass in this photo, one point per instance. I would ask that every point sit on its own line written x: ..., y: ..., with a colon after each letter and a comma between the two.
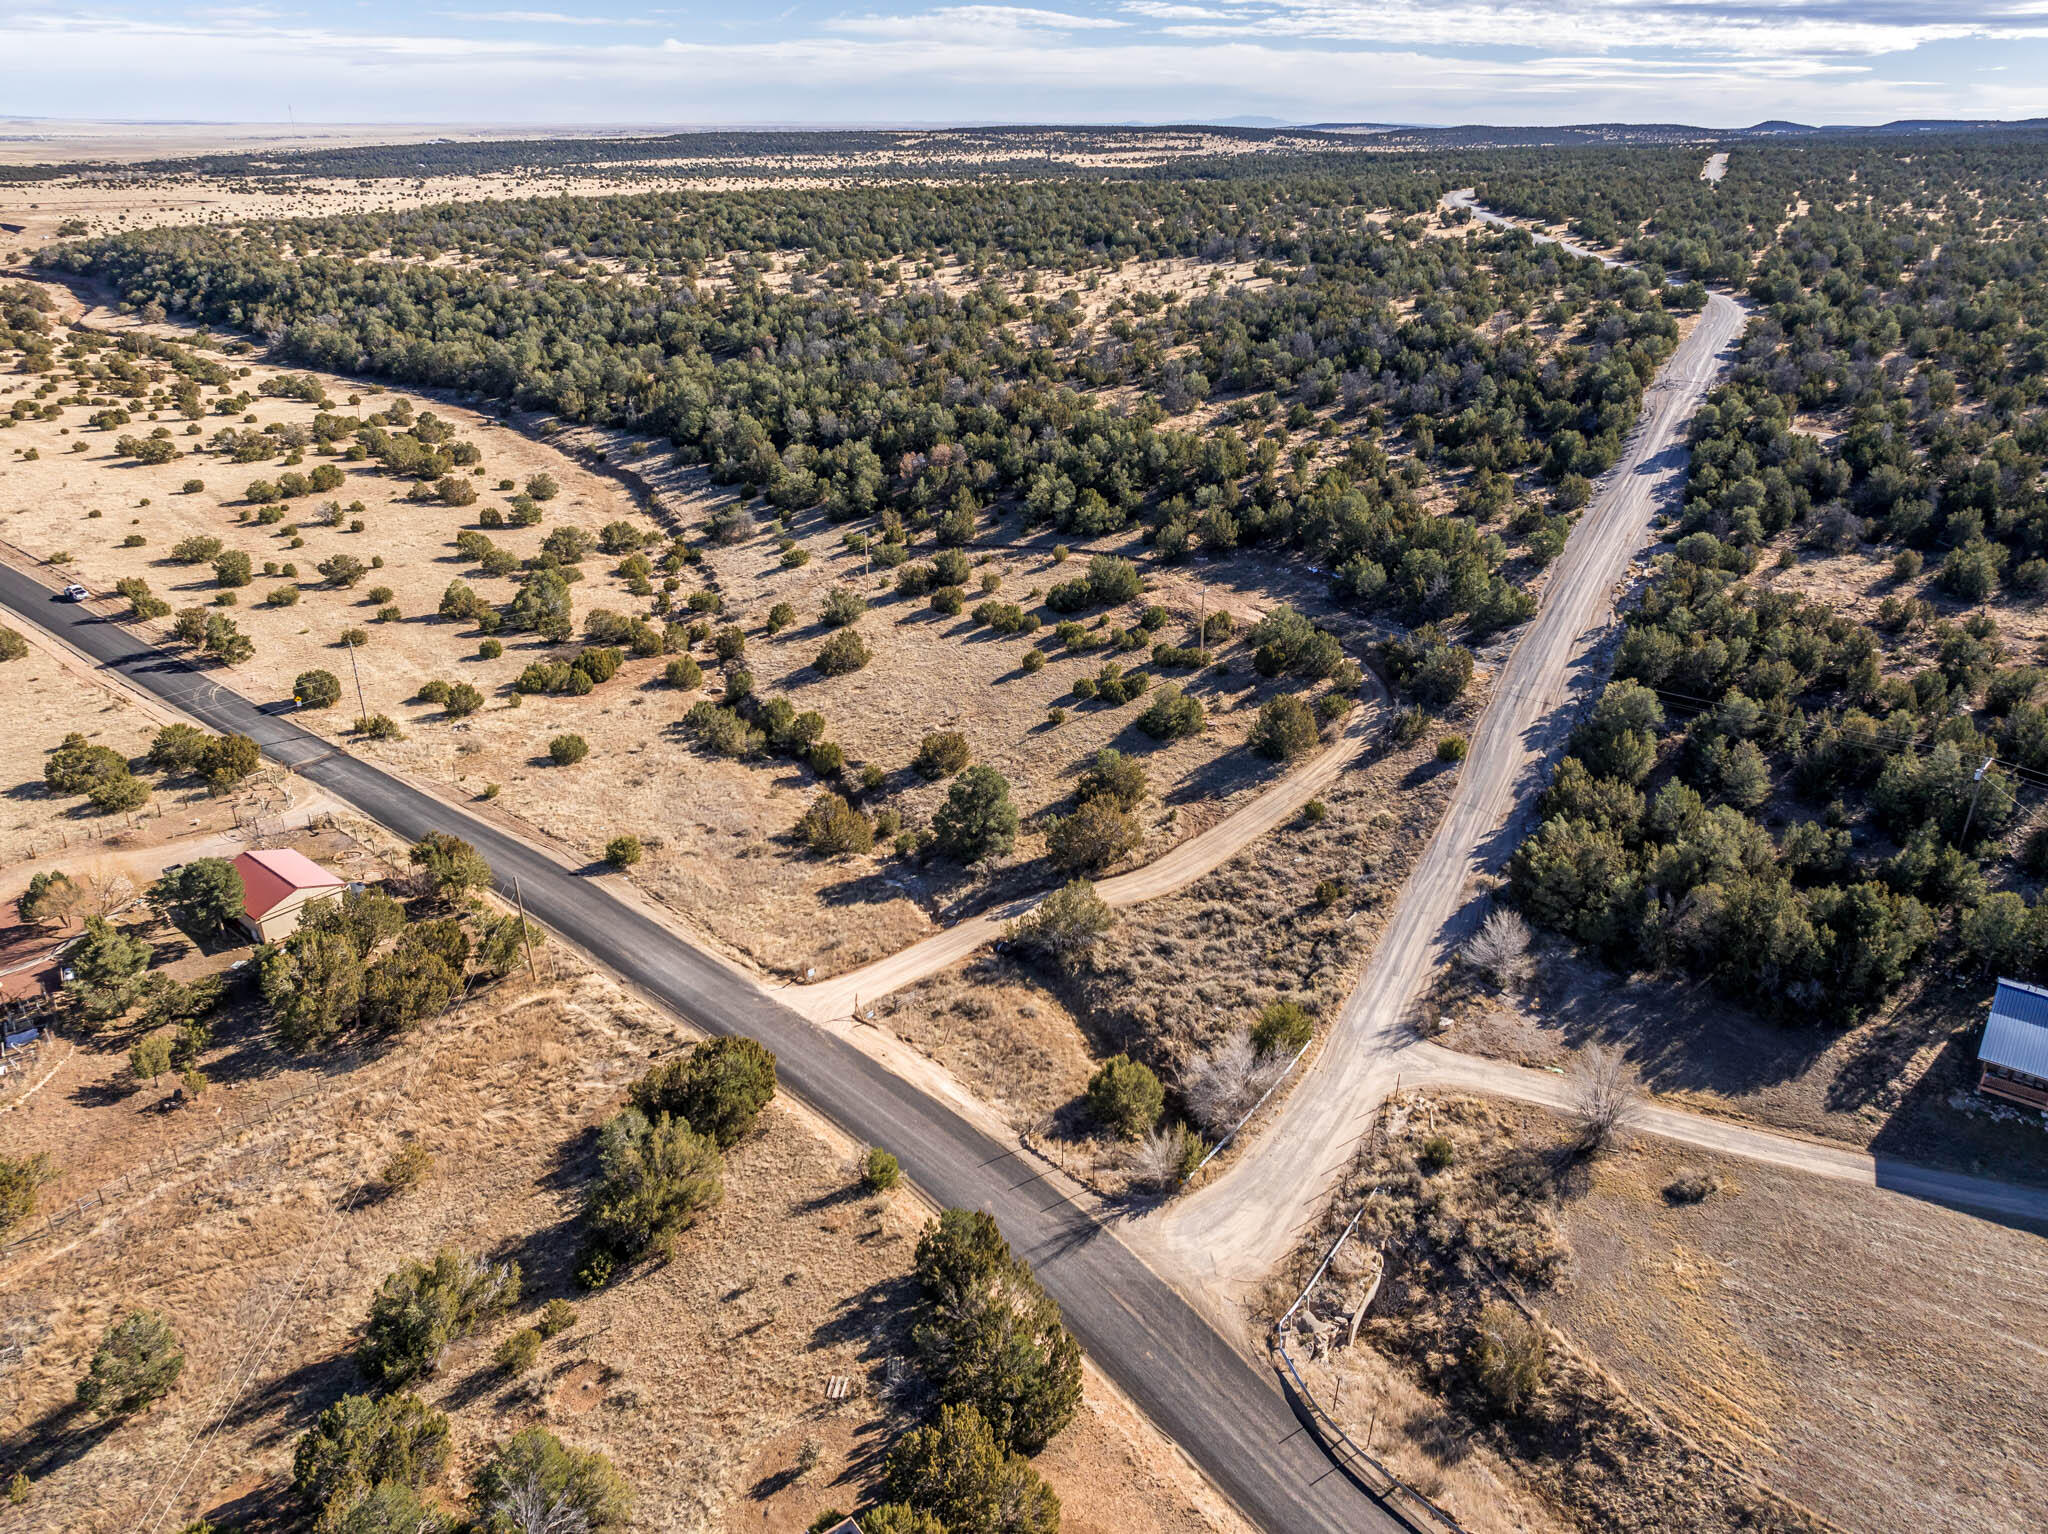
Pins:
x: 702, y: 1378
x: 716, y: 830
x: 1489, y: 1224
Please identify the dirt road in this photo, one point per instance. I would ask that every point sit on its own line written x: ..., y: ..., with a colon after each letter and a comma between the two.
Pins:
x: 1229, y: 1234
x: 1425, y: 1064
x: 833, y: 999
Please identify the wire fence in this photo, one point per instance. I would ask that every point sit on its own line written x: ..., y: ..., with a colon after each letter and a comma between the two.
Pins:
x: 142, y: 1178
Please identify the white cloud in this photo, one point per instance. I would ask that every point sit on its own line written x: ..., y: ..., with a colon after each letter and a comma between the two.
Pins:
x: 989, y: 63
x: 970, y: 20
x: 548, y: 18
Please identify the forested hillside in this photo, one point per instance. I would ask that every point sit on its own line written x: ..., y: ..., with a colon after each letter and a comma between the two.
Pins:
x: 910, y: 372
x: 1824, y: 754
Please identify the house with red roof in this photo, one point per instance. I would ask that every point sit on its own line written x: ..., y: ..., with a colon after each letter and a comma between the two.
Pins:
x: 277, y: 884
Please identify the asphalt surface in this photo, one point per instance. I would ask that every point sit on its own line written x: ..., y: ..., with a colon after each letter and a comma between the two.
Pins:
x: 1226, y: 1414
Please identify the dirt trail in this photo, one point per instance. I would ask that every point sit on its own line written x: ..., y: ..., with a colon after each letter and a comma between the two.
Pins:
x: 1225, y: 1237
x: 837, y: 997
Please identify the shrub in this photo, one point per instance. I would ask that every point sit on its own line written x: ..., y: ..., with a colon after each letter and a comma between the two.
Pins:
x: 196, y: 550
x: 843, y: 605
x: 542, y: 487
x: 879, y: 1171
x: 842, y: 654
x: 948, y: 600
x: 1093, y: 837
x: 490, y: 649
x: 1509, y: 1357
x: 282, y: 596
x: 685, y: 674
x: 377, y: 596
x: 623, y: 850
x: 567, y: 750
x: 573, y: 1489
x: 718, y: 1088
x: 655, y: 1177
x: 451, y: 865
x: 1285, y: 729
x: 1287, y: 644
x: 423, y: 1307
x: 978, y: 819
x: 137, y: 1361
x: 1034, y: 661
x: 832, y: 827
x: 343, y: 570
x: 408, y: 1167
x: 1436, y: 1153
x: 518, y: 1352
x: 363, y: 1441
x: 1066, y: 926
x: 462, y: 700
x: 721, y: 730
x: 780, y: 617
x: 1283, y: 1028
x: 1125, y: 1097
x: 317, y: 689
x: 1173, y: 715
x: 556, y: 1317
x: 379, y: 727
x: 233, y: 568
x: 1452, y: 748
x: 355, y: 638
x: 941, y: 754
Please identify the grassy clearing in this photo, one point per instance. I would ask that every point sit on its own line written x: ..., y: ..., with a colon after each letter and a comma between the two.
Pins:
x: 1713, y: 1332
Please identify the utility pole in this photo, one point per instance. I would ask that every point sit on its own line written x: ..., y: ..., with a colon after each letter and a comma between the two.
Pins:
x: 362, y: 708
x: 1976, y: 778
x: 525, y: 936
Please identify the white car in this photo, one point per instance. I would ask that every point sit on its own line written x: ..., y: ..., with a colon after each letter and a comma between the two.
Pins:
x: 75, y: 593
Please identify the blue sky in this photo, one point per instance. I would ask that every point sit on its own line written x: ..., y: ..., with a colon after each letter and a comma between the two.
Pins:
x: 1715, y: 62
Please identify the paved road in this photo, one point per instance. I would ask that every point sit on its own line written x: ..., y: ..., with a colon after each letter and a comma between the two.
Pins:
x: 1226, y: 1414
x: 1228, y: 1235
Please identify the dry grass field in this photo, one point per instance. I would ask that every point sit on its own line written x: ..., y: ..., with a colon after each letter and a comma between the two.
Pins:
x: 1772, y: 1352
x: 1293, y: 919
x: 715, y: 829
x: 703, y: 1378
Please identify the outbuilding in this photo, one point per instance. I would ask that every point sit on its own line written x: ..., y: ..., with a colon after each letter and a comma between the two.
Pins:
x: 277, y: 884
x: 2012, y: 1062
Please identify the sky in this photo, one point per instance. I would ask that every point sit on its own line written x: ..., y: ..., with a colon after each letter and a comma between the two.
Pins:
x: 1718, y: 63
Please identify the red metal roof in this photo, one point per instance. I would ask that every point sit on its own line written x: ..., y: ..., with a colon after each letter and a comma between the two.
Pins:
x: 272, y: 874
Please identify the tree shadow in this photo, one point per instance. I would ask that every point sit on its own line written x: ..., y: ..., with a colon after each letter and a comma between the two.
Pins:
x: 289, y: 1403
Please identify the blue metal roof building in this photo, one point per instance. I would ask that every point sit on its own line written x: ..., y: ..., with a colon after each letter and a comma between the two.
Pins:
x: 2013, y: 1059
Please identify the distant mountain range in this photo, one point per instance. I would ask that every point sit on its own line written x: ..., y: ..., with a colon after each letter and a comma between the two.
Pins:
x: 1484, y: 136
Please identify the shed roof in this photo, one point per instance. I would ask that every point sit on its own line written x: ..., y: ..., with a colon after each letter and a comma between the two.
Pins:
x: 2016, y: 1037
x: 271, y: 875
